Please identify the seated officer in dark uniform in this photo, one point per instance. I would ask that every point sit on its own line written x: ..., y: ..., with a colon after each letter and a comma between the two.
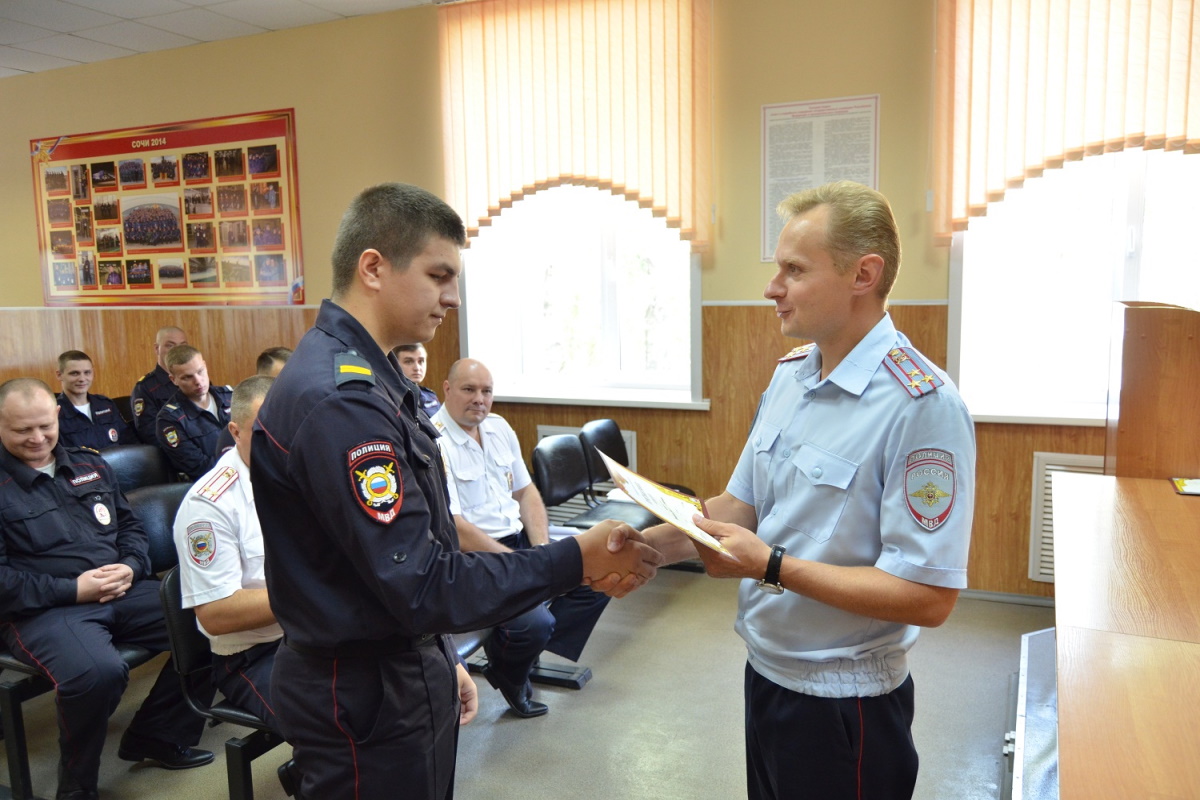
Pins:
x: 191, y: 422
x: 362, y: 559
x: 86, y: 419
x: 412, y: 364
x: 74, y: 581
x: 155, y: 387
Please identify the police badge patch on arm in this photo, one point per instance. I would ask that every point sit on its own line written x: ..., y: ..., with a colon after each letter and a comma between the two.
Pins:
x: 375, y: 480
x: 929, y: 482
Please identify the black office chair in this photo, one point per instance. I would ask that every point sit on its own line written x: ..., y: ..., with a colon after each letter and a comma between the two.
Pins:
x: 560, y: 473
x: 138, y: 465
x: 604, y: 435
x: 192, y: 656
x: 124, y: 408
x: 155, y: 506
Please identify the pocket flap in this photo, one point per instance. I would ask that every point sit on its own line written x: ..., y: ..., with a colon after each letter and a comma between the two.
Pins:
x: 823, y: 468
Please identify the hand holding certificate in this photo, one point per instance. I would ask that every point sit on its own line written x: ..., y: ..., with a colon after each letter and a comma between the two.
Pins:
x: 672, y: 507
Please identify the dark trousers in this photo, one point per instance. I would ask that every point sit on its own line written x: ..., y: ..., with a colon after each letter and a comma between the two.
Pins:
x: 74, y: 647
x: 371, y: 728
x: 852, y: 748
x: 245, y: 680
x: 561, y: 627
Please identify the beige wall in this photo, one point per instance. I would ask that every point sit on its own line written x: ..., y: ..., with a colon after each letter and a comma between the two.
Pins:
x: 366, y: 93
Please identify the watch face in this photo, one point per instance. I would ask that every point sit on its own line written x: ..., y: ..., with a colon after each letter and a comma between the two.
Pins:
x: 770, y: 588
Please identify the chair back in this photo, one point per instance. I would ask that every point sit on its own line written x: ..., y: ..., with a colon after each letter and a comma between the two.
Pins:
x: 156, y: 507
x: 603, y: 435
x: 137, y: 465
x: 124, y: 408
x: 190, y: 651
x: 559, y: 468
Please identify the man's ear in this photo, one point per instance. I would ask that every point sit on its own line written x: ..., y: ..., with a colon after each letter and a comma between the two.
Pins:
x: 868, y: 271
x: 58, y: 374
x: 445, y: 388
x: 235, y: 431
x: 371, y: 265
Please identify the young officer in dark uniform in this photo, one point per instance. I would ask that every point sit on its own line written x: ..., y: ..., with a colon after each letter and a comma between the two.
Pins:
x: 74, y: 582
x: 86, y: 419
x: 155, y: 387
x: 191, y: 422
x: 362, y: 560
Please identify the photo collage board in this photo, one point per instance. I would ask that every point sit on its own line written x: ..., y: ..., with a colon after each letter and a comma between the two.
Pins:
x: 199, y: 212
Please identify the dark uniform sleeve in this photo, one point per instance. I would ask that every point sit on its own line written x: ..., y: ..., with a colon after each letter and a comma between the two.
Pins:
x: 145, y: 414
x: 125, y: 434
x: 23, y: 592
x: 185, y: 454
x: 369, y: 493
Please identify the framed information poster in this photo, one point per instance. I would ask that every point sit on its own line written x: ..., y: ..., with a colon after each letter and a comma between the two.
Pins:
x: 200, y: 212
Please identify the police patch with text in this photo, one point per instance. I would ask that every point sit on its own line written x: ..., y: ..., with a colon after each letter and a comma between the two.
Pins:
x: 929, y: 486
x: 375, y: 479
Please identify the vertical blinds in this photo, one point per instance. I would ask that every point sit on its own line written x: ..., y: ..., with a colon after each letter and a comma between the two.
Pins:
x: 1024, y: 85
x: 607, y: 93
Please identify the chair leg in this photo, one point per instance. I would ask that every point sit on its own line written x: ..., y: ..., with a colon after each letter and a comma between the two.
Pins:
x: 12, y: 694
x: 238, y: 761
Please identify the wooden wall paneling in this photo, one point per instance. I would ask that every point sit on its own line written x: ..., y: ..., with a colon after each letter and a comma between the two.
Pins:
x: 926, y: 327
x: 120, y: 340
x: 1003, y: 498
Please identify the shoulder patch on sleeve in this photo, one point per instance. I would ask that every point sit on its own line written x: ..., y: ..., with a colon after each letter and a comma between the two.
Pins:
x: 202, y: 543
x: 139, y: 406
x: 219, y: 483
x: 907, y: 367
x: 797, y: 353
x: 350, y: 367
x: 930, y: 485
x: 375, y: 480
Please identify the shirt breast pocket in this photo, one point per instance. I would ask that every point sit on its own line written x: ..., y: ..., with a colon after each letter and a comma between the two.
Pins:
x: 35, y: 525
x: 471, y: 482
x: 763, y: 441
x: 821, y: 488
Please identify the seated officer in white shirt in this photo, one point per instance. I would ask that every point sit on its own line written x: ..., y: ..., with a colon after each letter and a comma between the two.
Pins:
x: 221, y: 573
x: 497, y: 508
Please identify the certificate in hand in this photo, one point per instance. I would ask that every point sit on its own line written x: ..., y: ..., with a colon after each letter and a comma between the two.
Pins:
x: 668, y: 505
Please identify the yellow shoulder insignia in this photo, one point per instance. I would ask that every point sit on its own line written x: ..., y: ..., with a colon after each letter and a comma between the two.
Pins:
x: 172, y: 406
x: 350, y: 367
x: 437, y: 423
x: 219, y: 483
x: 87, y: 449
x: 797, y: 353
x: 908, y: 367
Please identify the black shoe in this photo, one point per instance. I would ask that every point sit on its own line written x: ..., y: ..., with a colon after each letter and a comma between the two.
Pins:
x: 289, y: 779
x: 165, y: 754
x: 77, y: 794
x: 519, y: 698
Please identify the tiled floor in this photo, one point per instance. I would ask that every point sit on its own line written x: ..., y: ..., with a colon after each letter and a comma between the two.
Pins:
x: 660, y: 719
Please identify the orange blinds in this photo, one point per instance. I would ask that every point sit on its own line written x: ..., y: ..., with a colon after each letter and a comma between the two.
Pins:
x: 1024, y: 85
x: 608, y: 93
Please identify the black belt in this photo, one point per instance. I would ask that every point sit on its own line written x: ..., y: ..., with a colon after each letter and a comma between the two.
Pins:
x: 366, y: 648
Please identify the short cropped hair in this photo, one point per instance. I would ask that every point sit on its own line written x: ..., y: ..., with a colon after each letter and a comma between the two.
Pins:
x: 408, y: 348
x: 268, y: 357
x: 860, y: 223
x: 25, y: 386
x: 246, y: 394
x: 72, y: 355
x: 396, y: 219
x: 180, y: 354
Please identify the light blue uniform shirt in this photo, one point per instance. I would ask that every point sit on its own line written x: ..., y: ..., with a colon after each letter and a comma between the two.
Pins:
x: 853, y: 471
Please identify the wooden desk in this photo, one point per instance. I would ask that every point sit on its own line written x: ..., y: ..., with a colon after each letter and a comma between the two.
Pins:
x: 1127, y: 598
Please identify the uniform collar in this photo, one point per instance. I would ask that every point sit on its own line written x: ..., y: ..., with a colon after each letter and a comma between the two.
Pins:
x: 860, y: 364
x: 341, y: 325
x: 452, y: 429
x: 25, y: 475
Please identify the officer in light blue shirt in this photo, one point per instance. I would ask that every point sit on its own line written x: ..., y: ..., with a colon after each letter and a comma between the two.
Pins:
x: 849, y: 514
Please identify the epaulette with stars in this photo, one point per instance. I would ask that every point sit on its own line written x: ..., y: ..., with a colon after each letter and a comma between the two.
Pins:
x: 914, y: 375
x: 797, y: 353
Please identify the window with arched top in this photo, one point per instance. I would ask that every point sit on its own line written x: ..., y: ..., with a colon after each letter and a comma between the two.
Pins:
x: 576, y: 294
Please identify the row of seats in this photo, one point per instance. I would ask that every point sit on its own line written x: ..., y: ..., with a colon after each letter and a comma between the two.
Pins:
x: 567, y: 466
x: 143, y: 474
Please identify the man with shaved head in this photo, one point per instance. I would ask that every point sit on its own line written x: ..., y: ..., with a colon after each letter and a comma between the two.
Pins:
x: 155, y: 388
x: 497, y: 508
x: 75, y: 582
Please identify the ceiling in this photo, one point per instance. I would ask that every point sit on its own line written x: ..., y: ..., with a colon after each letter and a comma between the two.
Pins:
x: 38, y: 35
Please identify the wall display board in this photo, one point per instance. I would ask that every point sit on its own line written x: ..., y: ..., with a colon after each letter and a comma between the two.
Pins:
x: 809, y: 143
x: 199, y: 212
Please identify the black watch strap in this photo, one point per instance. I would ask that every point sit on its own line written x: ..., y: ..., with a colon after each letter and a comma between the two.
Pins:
x: 774, y: 563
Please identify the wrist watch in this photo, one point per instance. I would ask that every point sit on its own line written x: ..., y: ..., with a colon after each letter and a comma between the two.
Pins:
x: 770, y: 582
